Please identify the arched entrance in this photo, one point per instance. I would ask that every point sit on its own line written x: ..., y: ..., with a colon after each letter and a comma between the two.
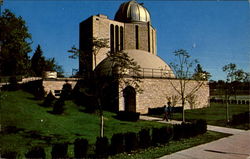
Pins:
x: 129, y: 95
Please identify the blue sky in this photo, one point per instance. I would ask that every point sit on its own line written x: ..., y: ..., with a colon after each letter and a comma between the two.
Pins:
x: 214, y: 32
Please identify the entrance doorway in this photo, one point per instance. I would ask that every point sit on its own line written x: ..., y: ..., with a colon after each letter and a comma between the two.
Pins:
x: 129, y: 95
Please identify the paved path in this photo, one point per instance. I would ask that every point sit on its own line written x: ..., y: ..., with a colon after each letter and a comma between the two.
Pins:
x: 236, y: 146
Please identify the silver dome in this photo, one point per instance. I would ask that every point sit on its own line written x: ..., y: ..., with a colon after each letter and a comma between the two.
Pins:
x: 132, y: 11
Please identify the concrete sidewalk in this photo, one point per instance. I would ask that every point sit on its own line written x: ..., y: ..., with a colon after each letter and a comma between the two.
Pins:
x: 236, y: 146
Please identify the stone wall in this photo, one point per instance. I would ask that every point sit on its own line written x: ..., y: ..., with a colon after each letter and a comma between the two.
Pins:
x: 56, y: 85
x: 156, y: 91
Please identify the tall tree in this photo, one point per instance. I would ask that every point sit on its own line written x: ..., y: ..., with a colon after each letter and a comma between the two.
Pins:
x: 234, y: 77
x: 15, y: 45
x: 183, y: 72
x: 38, y: 62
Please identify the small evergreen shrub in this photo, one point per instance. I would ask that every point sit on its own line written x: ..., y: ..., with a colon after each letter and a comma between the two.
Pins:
x: 9, y: 155
x: 144, y: 138
x: 49, y: 99
x: 128, y: 116
x: 156, y: 139
x: 241, y: 118
x: 102, y: 147
x: 165, y: 133
x: 80, y: 148
x: 58, y: 107
x: 13, y: 86
x: 36, y: 152
x: 66, y: 91
x: 117, y: 144
x: 178, y: 131
x: 156, y: 111
x: 59, y: 151
x: 202, y: 125
x: 131, y: 142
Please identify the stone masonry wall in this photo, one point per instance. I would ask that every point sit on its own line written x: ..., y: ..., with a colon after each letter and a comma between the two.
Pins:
x: 57, y: 84
x: 156, y: 91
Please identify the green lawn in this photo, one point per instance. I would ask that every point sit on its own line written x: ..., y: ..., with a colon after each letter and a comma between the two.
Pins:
x: 36, y: 126
x: 215, y: 114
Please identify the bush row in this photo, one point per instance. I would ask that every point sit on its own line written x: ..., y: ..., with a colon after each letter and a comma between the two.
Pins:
x: 240, y: 118
x: 222, y: 101
x: 124, y: 142
x: 160, y: 110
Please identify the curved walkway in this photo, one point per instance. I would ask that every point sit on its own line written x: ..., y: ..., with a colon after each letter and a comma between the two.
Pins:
x: 236, y: 146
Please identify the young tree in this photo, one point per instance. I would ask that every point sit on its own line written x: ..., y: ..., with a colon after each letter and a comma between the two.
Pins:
x: 15, y: 43
x: 121, y: 63
x: 234, y: 77
x: 182, y: 69
x: 200, y: 74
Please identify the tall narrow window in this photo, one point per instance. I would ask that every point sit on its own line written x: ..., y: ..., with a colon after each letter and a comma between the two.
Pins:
x: 153, y: 43
x: 121, y: 38
x: 136, y: 37
x: 116, y: 38
x: 112, y: 47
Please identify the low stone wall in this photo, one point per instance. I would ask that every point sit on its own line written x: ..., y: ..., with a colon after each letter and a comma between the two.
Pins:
x: 56, y: 85
x: 156, y: 92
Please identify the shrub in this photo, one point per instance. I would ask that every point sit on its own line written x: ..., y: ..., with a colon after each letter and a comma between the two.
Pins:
x: 241, y: 118
x: 66, y: 91
x: 131, y: 142
x: 36, y: 152
x: 80, y: 148
x: 201, y: 125
x: 58, y: 107
x: 49, y: 99
x: 178, y: 132
x: 156, y: 136
x: 156, y: 111
x: 102, y: 147
x: 9, y: 155
x: 128, y: 116
x: 165, y: 133
x: 117, y: 144
x: 59, y: 150
x: 144, y: 138
x: 13, y: 86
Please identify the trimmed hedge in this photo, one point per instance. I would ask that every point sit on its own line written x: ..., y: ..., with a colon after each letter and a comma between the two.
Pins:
x: 59, y: 150
x: 117, y: 144
x: 128, y: 116
x: 144, y: 138
x: 241, y: 118
x: 58, y: 107
x: 102, y: 147
x: 131, y: 142
x: 36, y: 152
x: 80, y: 148
x: 49, y: 99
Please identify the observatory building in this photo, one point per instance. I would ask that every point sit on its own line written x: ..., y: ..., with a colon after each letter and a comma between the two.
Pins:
x: 131, y: 31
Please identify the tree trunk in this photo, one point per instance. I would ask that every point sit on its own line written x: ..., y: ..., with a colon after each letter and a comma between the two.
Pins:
x: 183, y: 111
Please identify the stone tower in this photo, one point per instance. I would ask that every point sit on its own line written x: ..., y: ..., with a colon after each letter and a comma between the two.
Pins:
x: 130, y: 30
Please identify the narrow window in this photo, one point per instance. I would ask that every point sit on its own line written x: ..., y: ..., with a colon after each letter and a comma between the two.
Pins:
x: 136, y: 37
x: 112, y: 49
x: 153, y: 43
x: 116, y: 38
x: 121, y: 38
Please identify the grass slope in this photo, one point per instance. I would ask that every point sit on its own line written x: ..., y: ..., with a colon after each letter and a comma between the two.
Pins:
x: 36, y: 126
x: 215, y: 114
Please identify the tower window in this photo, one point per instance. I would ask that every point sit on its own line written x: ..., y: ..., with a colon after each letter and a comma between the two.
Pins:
x: 117, y: 38
x: 112, y: 49
x: 121, y: 38
x: 137, y: 37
